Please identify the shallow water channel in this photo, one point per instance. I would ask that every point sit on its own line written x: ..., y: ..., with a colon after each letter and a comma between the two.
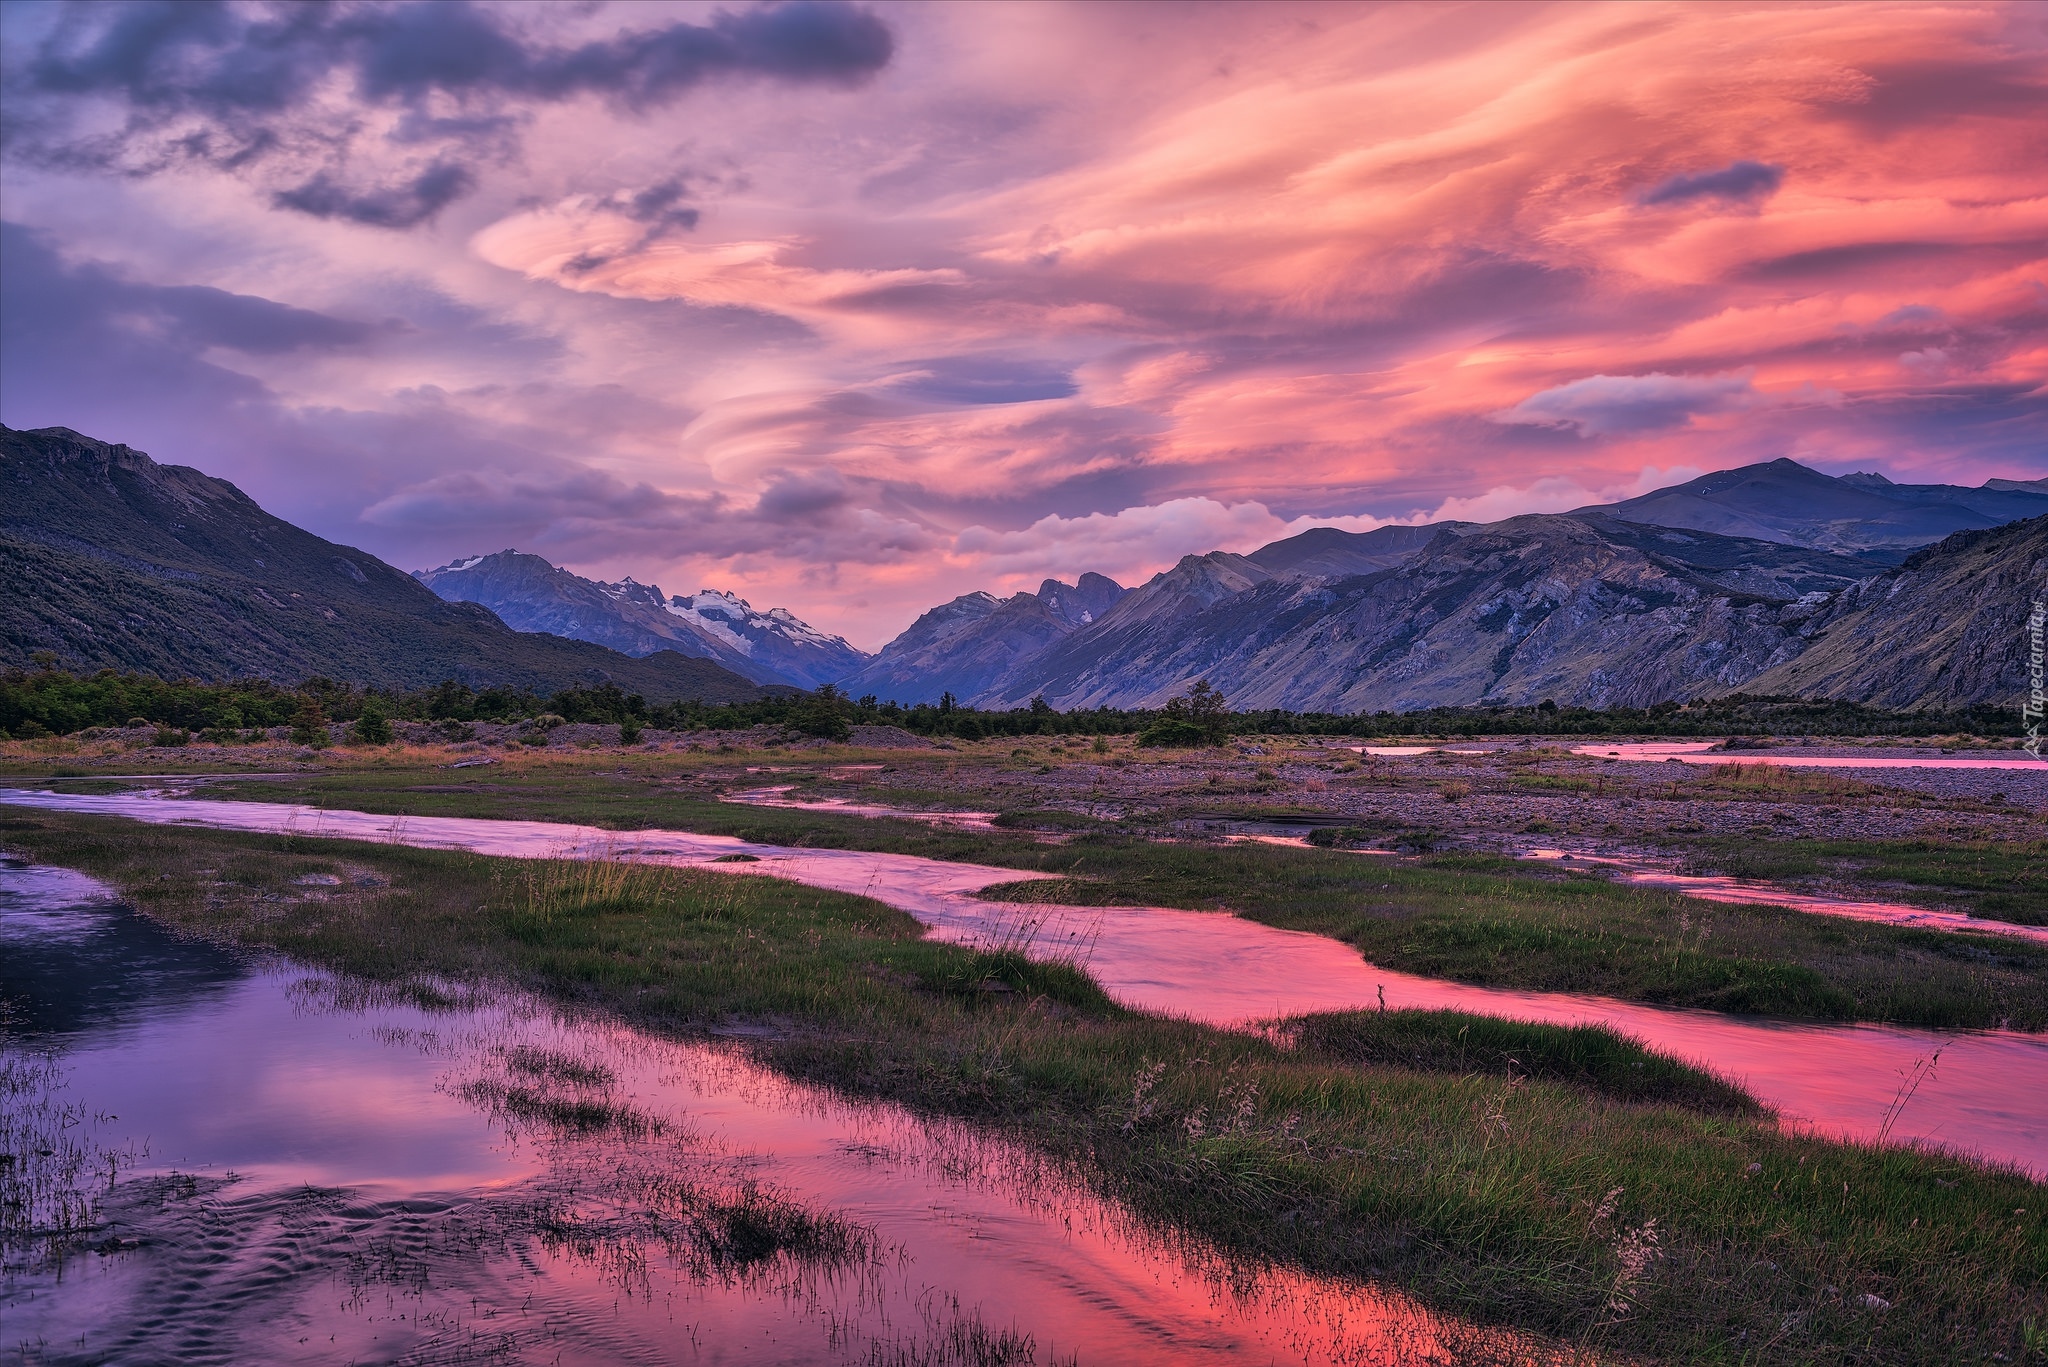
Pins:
x: 1709, y: 752
x: 260, y: 1162
x: 1644, y: 871
x: 779, y: 796
x: 1988, y: 1093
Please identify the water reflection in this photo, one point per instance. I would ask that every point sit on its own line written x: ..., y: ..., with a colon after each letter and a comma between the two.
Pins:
x: 336, y: 1173
x: 65, y: 967
x: 1990, y: 1095
x: 778, y: 796
x: 1698, y: 752
x: 1645, y: 871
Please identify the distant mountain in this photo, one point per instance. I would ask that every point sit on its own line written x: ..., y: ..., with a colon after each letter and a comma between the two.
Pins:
x: 115, y: 561
x: 1583, y: 609
x: 1327, y: 553
x: 1947, y: 628
x: 532, y: 595
x: 965, y: 646
x: 1785, y: 501
x: 1695, y: 587
x: 775, y: 640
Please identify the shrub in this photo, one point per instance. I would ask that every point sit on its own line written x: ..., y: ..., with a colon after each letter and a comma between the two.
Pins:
x: 1172, y: 732
x: 629, y: 731
x: 170, y: 735
x: 1202, y: 709
x: 822, y: 714
x: 309, y: 723
x: 373, y: 724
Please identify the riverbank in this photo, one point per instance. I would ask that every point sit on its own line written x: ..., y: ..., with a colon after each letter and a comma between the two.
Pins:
x: 1452, y: 905
x: 1448, y: 1177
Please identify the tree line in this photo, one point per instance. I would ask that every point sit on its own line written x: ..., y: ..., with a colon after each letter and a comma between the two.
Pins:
x: 51, y: 702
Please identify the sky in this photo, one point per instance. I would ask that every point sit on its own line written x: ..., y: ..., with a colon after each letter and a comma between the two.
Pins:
x: 853, y: 308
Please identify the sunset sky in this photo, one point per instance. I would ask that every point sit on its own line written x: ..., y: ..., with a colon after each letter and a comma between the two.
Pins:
x: 851, y: 309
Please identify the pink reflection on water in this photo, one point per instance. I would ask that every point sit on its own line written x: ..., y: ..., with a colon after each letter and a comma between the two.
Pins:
x: 1990, y: 1098
x: 1648, y: 873
x: 351, y: 1156
x: 1695, y: 752
x: 840, y: 806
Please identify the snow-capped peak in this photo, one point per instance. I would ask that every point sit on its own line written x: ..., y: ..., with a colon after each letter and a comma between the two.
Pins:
x: 734, y: 620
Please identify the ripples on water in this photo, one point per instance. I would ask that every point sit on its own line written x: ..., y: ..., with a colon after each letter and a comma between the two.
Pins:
x: 251, y: 1162
x: 1987, y: 1096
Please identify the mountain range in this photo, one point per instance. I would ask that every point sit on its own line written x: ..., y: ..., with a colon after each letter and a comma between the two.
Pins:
x: 1724, y: 582
x: 1947, y: 627
x: 968, y: 646
x: 529, y: 594
x: 114, y: 561
x: 1768, y: 578
x: 1782, y: 500
x: 1583, y: 609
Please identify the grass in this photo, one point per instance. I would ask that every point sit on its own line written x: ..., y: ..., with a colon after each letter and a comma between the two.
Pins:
x: 2005, y: 880
x: 1773, y: 780
x: 1473, y: 919
x: 1656, y: 1217
x: 1485, y: 920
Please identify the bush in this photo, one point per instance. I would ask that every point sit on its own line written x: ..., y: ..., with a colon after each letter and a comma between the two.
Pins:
x: 170, y: 735
x: 629, y: 731
x: 822, y: 714
x: 373, y: 724
x: 1173, y: 733
x: 309, y: 723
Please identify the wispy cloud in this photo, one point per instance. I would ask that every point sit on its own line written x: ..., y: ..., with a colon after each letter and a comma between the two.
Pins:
x: 856, y: 307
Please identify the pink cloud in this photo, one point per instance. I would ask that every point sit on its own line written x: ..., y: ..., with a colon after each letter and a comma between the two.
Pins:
x: 1069, y: 287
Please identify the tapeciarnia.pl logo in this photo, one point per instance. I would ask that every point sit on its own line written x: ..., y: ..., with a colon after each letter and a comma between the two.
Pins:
x: 2032, y: 709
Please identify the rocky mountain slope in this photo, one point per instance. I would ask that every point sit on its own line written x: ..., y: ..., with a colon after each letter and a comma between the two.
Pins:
x: 1695, y: 588
x: 530, y: 594
x: 1585, y: 610
x: 1784, y: 501
x: 1327, y: 553
x: 966, y: 646
x: 114, y: 561
x: 1947, y: 628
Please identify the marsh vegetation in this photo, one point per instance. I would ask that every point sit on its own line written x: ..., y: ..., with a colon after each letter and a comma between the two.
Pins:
x: 1510, y: 1174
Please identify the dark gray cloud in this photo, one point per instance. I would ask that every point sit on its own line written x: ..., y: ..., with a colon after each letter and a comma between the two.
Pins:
x: 1737, y: 180
x: 392, y: 206
x: 247, y: 87
x: 803, y: 495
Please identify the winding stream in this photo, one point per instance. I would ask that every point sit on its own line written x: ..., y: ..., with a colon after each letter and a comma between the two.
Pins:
x: 1988, y: 1094
x: 1646, y: 872
x: 269, y: 1163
